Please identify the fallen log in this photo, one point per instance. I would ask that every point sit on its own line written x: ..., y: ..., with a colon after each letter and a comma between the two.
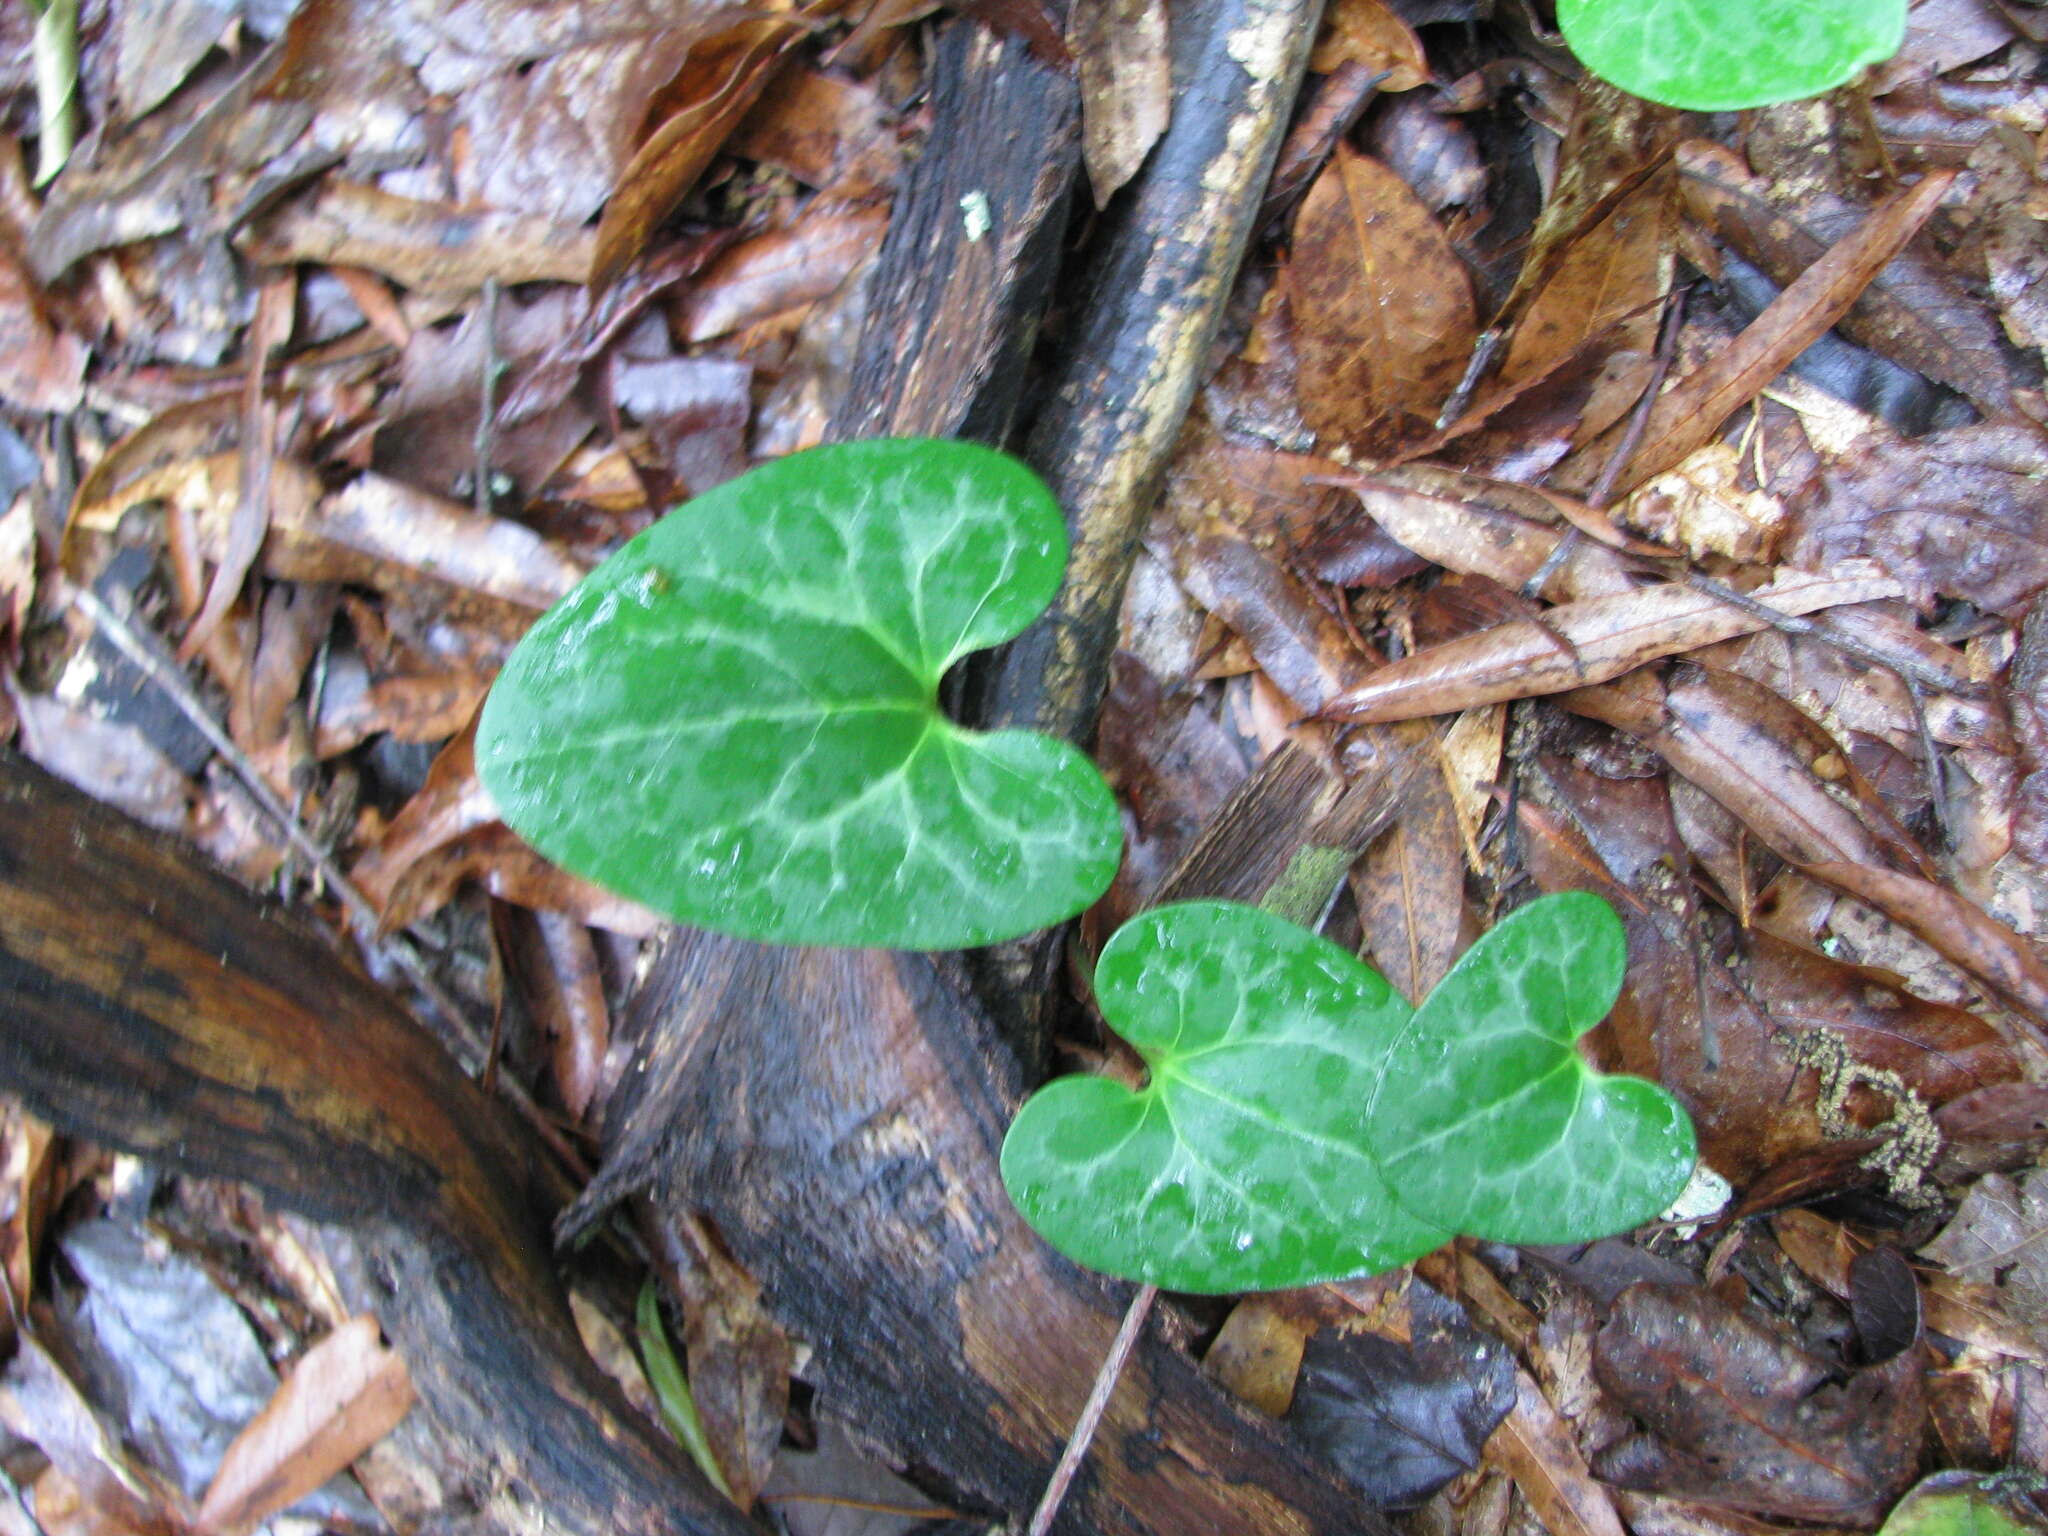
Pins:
x: 154, y: 1005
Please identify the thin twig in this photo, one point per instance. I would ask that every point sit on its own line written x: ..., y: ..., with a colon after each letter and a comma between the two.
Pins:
x: 1937, y: 779
x: 487, y: 411
x: 1559, y: 552
x: 461, y: 1036
x: 865, y: 1506
x: 1484, y: 349
x: 1639, y: 418
x: 1092, y: 1410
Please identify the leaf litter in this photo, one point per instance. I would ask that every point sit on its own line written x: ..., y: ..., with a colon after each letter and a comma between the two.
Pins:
x: 1757, y: 655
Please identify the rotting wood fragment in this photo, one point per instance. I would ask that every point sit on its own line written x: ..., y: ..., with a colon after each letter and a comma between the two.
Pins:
x: 177, y: 1017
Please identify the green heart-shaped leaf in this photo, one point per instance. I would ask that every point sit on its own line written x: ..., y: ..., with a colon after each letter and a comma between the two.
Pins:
x: 734, y: 719
x: 1720, y: 55
x: 1241, y: 1165
x: 1486, y: 1118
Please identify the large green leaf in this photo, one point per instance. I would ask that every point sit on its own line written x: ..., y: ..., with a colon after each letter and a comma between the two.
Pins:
x: 1241, y: 1165
x: 1301, y: 1123
x: 734, y: 719
x: 1720, y: 55
x: 1488, y: 1121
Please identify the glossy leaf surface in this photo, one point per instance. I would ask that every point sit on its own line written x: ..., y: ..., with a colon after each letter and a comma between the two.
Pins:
x: 1721, y: 55
x: 1241, y: 1165
x: 734, y: 718
x: 1488, y: 1121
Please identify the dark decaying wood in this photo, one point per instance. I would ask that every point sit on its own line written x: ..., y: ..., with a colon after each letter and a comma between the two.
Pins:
x: 973, y: 242
x: 152, y: 1004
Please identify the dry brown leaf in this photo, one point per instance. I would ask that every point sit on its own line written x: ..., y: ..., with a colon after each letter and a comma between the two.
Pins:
x: 740, y: 1360
x: 1410, y: 889
x: 1120, y: 47
x: 451, y: 802
x: 427, y: 247
x: 1535, y: 1447
x: 379, y: 533
x: 1604, y: 289
x: 1969, y: 1312
x: 825, y: 130
x: 1724, y: 755
x: 1492, y: 528
x: 269, y: 330
x: 1612, y: 145
x: 421, y: 707
x: 1257, y: 1353
x: 1917, y: 310
x: 782, y: 269
x: 719, y: 83
x: 1690, y: 413
x: 1382, y: 307
x: 1577, y: 644
x: 1953, y: 514
x: 569, y: 992
x: 1369, y: 33
x: 346, y: 1393
x: 1741, y: 1416
x: 1470, y: 754
x: 1957, y: 928
x: 102, y: 1488
x: 41, y: 367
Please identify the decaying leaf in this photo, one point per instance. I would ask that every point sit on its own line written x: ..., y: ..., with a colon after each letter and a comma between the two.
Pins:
x: 1120, y: 47
x: 1402, y: 1418
x: 1692, y: 410
x: 428, y: 247
x: 1577, y: 644
x: 1740, y: 1416
x: 1962, y: 513
x: 2000, y: 1236
x: 1371, y: 34
x: 1535, y: 1448
x: 346, y: 1393
x: 1383, y: 309
x: 721, y: 79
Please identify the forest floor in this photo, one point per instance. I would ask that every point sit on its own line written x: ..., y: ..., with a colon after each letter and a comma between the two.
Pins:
x: 1665, y: 494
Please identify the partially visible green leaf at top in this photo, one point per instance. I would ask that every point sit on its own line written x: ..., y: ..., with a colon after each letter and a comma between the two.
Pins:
x: 1487, y: 1120
x: 1242, y: 1164
x: 734, y: 719
x: 1721, y: 55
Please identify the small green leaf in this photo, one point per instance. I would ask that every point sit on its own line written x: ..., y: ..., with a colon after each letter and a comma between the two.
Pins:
x: 734, y: 719
x: 1241, y: 1165
x: 1489, y: 1122
x: 672, y: 1388
x: 1721, y: 55
x: 1957, y: 1504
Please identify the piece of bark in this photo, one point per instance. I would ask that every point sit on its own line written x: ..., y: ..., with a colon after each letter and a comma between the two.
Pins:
x: 155, y: 1005
x: 973, y: 239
